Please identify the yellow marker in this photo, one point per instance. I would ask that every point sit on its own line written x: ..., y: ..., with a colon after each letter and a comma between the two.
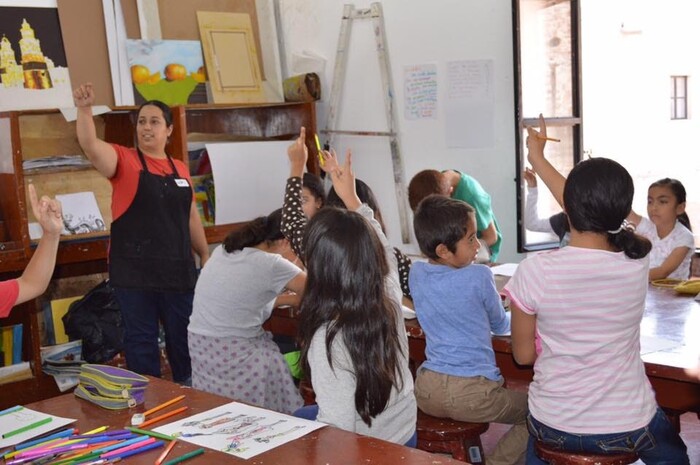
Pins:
x: 321, y: 161
x: 96, y: 430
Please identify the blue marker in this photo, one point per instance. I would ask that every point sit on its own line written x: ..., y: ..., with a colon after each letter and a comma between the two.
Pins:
x: 10, y: 410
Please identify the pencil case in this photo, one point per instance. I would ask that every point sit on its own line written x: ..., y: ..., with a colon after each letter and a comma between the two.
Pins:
x: 111, y: 387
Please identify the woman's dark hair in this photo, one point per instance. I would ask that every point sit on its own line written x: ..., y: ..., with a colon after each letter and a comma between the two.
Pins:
x: 315, y: 186
x: 678, y: 191
x: 345, y: 293
x: 598, y: 197
x: 440, y: 220
x: 366, y: 196
x: 167, y: 112
x: 262, y: 229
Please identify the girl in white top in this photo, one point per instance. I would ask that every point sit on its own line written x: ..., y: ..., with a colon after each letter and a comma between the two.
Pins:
x: 232, y: 355
x: 668, y: 229
x: 590, y: 392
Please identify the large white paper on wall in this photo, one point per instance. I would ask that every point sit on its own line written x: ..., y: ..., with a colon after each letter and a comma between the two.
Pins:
x: 249, y: 178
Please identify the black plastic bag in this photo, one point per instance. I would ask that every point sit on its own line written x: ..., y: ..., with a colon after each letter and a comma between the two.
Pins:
x: 97, y: 320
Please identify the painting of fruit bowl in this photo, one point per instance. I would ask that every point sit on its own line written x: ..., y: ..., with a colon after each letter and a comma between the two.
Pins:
x: 171, y: 71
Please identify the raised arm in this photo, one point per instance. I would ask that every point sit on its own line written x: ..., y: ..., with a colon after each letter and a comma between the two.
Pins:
x: 553, y: 179
x: 293, y: 223
x: 533, y: 221
x: 37, y: 275
x: 100, y: 153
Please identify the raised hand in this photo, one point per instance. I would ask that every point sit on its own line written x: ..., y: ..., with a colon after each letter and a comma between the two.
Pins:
x: 47, y: 212
x: 536, y: 141
x: 298, y: 154
x: 344, y: 183
x: 530, y: 177
x: 330, y: 161
x: 83, y: 95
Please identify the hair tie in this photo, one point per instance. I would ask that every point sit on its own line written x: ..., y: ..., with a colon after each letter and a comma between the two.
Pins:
x: 624, y: 225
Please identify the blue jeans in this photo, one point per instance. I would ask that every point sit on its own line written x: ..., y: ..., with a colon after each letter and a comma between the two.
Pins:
x: 310, y: 412
x: 142, y: 312
x: 658, y: 443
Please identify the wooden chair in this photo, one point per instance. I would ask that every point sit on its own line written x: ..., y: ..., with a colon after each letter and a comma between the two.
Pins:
x: 459, y: 438
x: 559, y: 457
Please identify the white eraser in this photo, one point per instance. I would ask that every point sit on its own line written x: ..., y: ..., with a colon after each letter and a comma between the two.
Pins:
x: 137, y: 419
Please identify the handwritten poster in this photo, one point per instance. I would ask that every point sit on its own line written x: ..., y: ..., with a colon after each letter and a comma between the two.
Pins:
x: 238, y: 429
x: 420, y: 91
x: 470, y: 104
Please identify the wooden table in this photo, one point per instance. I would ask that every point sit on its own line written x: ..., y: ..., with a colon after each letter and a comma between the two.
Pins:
x: 325, y: 446
x: 668, y: 315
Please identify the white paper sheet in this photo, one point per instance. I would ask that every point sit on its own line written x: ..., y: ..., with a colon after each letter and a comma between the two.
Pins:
x: 470, y: 104
x: 249, y: 178
x: 651, y: 344
x: 506, y: 269
x: 81, y: 213
x: 241, y: 430
x: 24, y: 417
x: 420, y: 91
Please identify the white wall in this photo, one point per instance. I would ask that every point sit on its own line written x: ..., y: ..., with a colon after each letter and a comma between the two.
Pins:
x: 418, y: 32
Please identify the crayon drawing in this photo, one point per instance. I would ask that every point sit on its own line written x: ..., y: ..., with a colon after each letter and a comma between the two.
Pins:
x: 33, y: 66
x: 171, y: 71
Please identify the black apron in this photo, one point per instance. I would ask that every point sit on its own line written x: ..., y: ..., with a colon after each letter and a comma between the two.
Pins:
x: 150, y: 243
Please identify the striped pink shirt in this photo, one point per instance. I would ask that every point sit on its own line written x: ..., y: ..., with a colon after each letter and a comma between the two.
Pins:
x: 589, y: 303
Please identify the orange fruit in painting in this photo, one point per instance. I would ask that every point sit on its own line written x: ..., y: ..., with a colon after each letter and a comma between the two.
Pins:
x: 140, y: 74
x: 200, y: 75
x: 175, y: 72
x: 154, y: 78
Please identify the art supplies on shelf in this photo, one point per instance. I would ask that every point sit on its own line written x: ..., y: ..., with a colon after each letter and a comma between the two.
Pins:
x: 16, y: 372
x: 63, y: 362
x: 11, y: 344
x: 56, y: 161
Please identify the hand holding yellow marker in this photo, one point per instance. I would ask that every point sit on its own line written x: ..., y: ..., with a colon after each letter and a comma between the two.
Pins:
x: 321, y: 160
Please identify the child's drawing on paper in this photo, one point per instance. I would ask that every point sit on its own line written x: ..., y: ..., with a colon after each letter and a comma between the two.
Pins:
x: 81, y: 213
x: 33, y: 66
x: 171, y: 71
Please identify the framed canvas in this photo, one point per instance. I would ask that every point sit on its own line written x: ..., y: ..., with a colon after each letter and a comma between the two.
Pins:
x: 171, y: 71
x: 33, y: 65
x: 231, y: 58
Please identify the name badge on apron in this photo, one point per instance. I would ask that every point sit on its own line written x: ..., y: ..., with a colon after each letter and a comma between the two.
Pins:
x: 182, y: 182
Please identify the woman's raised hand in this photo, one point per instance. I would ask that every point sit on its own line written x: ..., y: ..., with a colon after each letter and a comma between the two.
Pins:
x: 536, y: 141
x: 47, y: 212
x: 83, y: 95
x: 530, y: 177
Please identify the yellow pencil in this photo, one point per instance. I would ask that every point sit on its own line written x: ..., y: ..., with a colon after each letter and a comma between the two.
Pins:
x: 163, y: 405
x: 540, y: 136
x: 321, y: 161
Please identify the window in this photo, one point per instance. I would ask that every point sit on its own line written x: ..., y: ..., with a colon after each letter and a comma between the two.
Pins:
x: 547, y: 82
x: 571, y: 55
x: 679, y: 97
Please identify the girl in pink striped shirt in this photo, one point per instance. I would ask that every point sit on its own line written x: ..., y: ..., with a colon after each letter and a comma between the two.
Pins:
x: 590, y: 392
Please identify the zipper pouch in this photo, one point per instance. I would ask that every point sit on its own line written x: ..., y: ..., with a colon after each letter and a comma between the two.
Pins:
x: 111, y: 387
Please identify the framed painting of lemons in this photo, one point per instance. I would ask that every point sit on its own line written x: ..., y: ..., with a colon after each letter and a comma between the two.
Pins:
x: 171, y: 71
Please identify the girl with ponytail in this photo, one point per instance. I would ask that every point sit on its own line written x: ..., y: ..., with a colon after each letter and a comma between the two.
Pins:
x: 668, y: 229
x: 590, y: 392
x: 241, y: 283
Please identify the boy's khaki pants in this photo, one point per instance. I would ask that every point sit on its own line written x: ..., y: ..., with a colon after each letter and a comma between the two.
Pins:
x: 477, y: 400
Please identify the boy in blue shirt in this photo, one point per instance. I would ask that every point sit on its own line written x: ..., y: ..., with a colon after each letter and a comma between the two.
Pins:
x: 462, y: 187
x: 458, y: 307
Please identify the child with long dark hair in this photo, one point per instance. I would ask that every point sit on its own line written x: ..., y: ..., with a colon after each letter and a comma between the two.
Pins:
x: 668, y: 229
x: 238, y: 288
x: 590, y: 392
x: 354, y: 344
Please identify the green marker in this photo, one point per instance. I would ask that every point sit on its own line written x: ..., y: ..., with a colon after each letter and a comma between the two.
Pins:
x: 27, y: 428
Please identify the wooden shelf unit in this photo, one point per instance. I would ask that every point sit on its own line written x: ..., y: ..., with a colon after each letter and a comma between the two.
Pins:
x: 33, y: 134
